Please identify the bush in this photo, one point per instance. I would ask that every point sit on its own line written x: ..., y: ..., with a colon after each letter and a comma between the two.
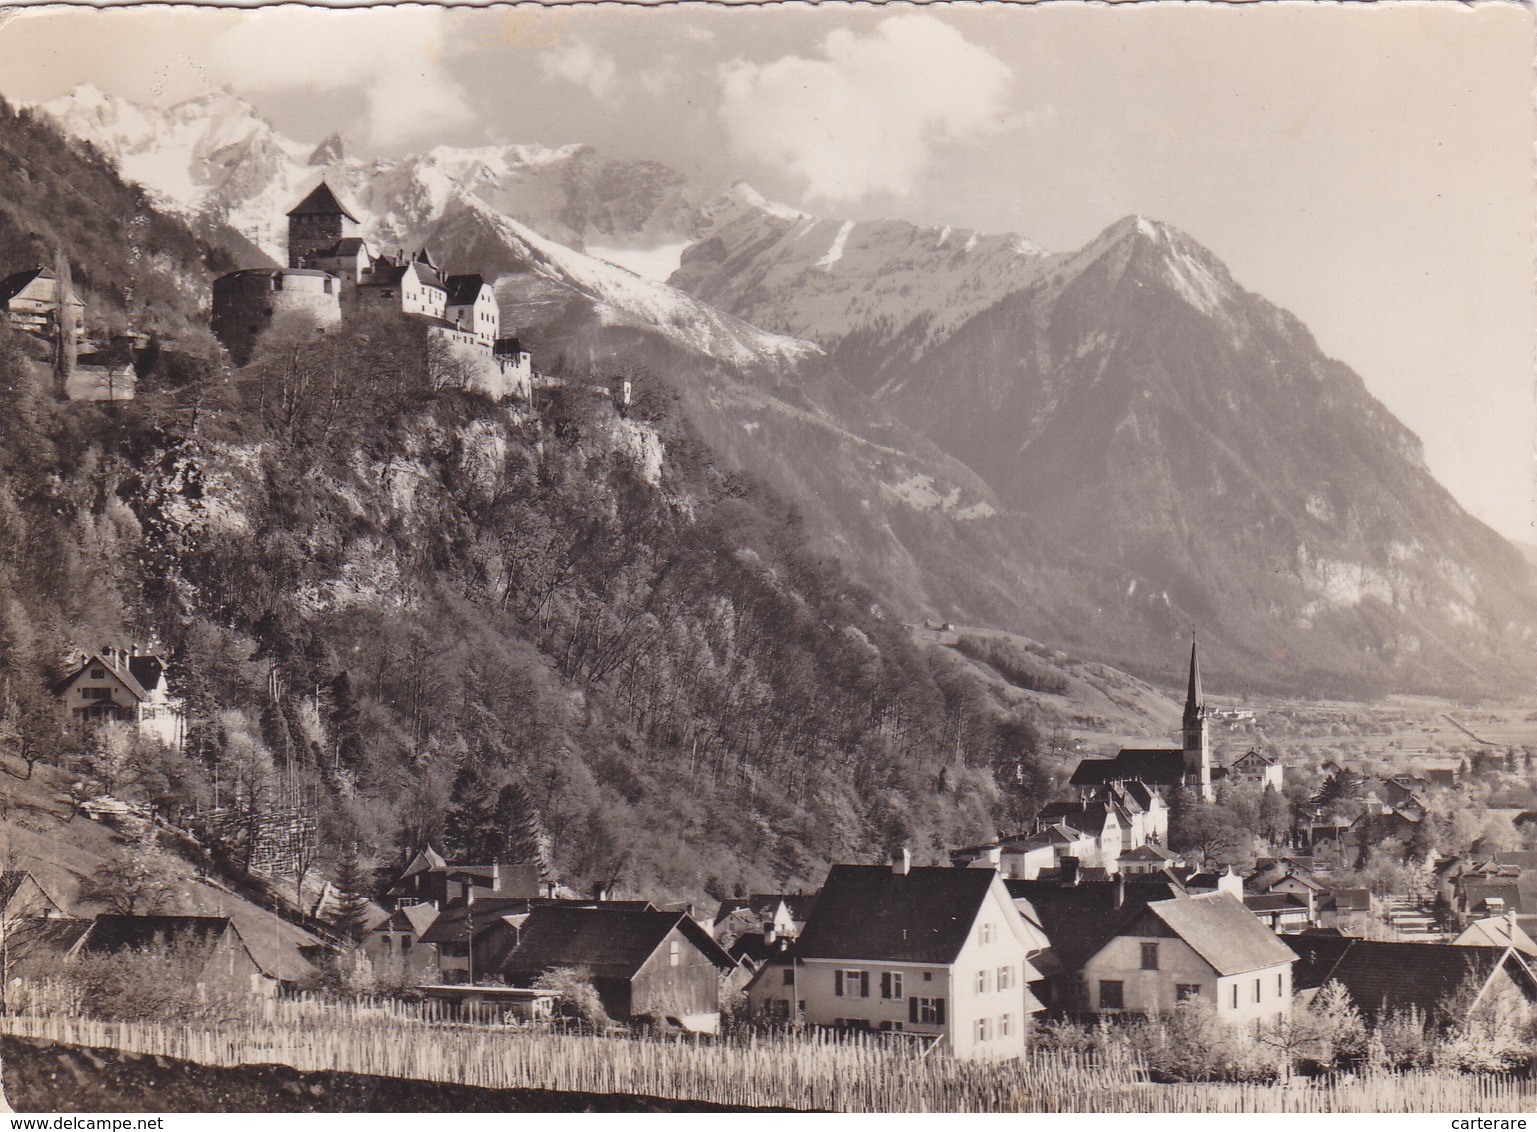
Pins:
x: 164, y: 985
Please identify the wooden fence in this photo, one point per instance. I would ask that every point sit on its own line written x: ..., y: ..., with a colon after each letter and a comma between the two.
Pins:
x: 814, y: 1071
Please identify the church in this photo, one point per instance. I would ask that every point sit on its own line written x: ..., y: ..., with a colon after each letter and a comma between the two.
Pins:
x: 1188, y: 765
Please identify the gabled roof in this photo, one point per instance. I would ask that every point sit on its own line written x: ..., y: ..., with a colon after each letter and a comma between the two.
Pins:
x: 12, y: 883
x: 1155, y: 766
x: 1090, y: 817
x: 1147, y: 852
x: 1347, y: 900
x: 606, y: 942
x: 123, y: 675
x: 1383, y: 977
x: 321, y: 201
x: 874, y: 913
x: 1253, y: 754
x: 454, y: 922
x: 1079, y: 919
x: 117, y: 933
x: 54, y: 935
x: 1280, y: 902
x: 414, y: 918
x: 1497, y: 931
x: 1218, y: 928
x: 463, y: 289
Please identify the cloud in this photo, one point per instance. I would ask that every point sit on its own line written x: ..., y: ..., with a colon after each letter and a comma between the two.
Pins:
x: 871, y: 114
x: 581, y: 65
x: 394, y: 60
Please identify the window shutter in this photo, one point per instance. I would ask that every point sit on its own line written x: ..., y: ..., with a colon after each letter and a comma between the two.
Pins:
x: 837, y: 982
x: 886, y: 984
x: 912, y: 1009
x: 864, y: 984
x: 939, y: 1011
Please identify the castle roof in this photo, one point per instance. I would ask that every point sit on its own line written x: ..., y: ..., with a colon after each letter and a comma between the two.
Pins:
x: 464, y: 289
x: 321, y: 202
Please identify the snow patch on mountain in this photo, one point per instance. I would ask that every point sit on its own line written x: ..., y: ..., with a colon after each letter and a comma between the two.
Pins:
x: 835, y: 250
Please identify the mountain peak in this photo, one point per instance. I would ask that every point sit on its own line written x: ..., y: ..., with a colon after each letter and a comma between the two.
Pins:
x: 330, y: 151
x: 744, y: 194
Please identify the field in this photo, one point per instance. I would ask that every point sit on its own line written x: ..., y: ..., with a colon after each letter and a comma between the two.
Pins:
x: 802, y: 1072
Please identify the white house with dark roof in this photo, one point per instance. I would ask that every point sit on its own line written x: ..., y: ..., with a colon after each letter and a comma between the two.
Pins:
x: 1206, y: 946
x: 937, y: 952
x: 126, y: 685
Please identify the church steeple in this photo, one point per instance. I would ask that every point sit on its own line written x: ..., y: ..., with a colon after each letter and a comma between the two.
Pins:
x: 1196, y: 742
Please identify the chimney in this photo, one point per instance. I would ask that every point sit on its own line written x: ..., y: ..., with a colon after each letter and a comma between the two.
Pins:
x: 902, y: 863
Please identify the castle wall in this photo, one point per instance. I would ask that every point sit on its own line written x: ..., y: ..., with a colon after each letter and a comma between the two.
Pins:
x: 245, y: 303
x: 313, y: 233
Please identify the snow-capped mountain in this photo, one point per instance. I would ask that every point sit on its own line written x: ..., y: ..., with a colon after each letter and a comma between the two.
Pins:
x: 835, y: 280
x: 216, y: 157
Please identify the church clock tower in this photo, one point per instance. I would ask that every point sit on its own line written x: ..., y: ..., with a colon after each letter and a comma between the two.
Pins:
x: 1196, y: 741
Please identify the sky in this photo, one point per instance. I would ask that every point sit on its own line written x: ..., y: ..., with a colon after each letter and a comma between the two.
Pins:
x: 1368, y: 167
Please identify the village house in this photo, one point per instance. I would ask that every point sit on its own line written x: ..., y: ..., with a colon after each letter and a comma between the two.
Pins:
x: 212, y: 944
x: 30, y: 300
x: 643, y: 963
x: 429, y: 879
x: 1498, y: 931
x: 1097, y: 820
x: 1282, y: 878
x: 1148, y: 859
x: 124, y: 685
x: 769, y: 915
x: 395, y: 945
x: 936, y: 952
x: 1445, y: 982
x: 1206, y: 946
x: 1257, y: 769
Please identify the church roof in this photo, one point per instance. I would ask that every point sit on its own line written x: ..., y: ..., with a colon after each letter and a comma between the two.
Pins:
x: 1156, y: 766
x: 321, y: 202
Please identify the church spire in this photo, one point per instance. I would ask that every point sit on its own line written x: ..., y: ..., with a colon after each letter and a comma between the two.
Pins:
x: 1194, y: 700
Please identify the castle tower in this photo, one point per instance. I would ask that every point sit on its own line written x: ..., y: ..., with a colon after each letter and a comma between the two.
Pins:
x: 316, y: 223
x: 1196, y: 742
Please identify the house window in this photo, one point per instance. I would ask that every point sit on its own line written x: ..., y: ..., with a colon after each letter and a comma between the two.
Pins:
x: 405, y: 943
x: 98, y: 674
x: 277, y: 282
x: 891, y: 1026
x: 777, y: 1010
x: 1256, y: 990
x: 1150, y: 957
x: 984, y: 1029
x: 1112, y: 994
x: 674, y: 954
x: 851, y: 984
x: 1279, y: 985
x: 928, y: 976
x: 929, y: 1011
x: 982, y: 981
x: 789, y: 976
x: 891, y: 984
x: 987, y: 933
x: 1005, y: 978
x: 1182, y: 991
x: 1005, y: 1025
x: 1235, y: 996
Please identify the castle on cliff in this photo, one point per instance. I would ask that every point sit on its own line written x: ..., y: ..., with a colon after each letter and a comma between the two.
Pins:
x: 332, y: 274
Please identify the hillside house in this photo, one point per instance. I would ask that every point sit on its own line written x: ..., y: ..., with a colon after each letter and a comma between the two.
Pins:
x: 1349, y: 909
x: 643, y: 963
x: 936, y: 952
x: 124, y: 685
x: 30, y: 300
x: 1206, y: 946
x: 429, y: 879
x: 1446, y: 982
x: 212, y: 944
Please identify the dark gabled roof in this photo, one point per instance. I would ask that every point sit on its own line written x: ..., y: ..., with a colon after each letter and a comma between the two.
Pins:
x: 1317, y: 952
x: 463, y: 289
x: 1218, y: 928
x: 872, y: 912
x: 321, y: 202
x: 1283, y: 902
x: 53, y: 935
x: 117, y: 933
x: 1089, y: 817
x: 1154, y: 766
x: 1523, y: 859
x: 13, y: 285
x: 123, y: 675
x: 454, y: 921
x: 1253, y: 754
x: 605, y: 942
x: 1383, y: 977
x: 1147, y: 852
x: 752, y: 947
x: 1347, y: 900
x: 1079, y: 918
